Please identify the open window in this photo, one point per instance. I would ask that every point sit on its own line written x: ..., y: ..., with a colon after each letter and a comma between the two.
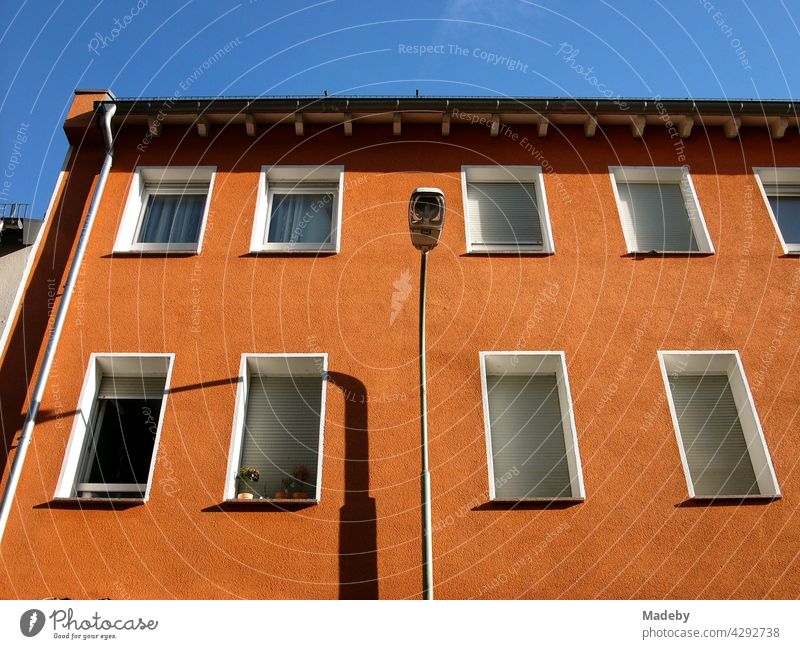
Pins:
x: 278, y: 427
x: 780, y: 187
x: 659, y: 210
x: 299, y: 209
x: 722, y: 446
x: 166, y: 210
x: 505, y: 209
x: 531, y: 441
x: 112, y: 448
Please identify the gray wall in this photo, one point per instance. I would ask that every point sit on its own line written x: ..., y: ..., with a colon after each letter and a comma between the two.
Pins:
x: 13, y: 257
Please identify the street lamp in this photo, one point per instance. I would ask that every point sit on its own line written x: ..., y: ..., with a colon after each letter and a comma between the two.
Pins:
x: 426, y: 221
x: 426, y: 217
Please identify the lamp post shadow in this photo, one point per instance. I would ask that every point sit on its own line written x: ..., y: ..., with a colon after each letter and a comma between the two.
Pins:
x: 358, y: 534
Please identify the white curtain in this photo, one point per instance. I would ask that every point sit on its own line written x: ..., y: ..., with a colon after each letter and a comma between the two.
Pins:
x: 173, y: 219
x: 301, y: 218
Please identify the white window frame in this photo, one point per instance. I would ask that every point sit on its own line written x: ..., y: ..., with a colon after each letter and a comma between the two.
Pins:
x: 666, y: 175
x: 771, y: 176
x: 683, y: 362
x: 308, y: 179
x: 274, y: 364
x: 138, y: 198
x: 527, y: 363
x: 509, y: 174
x: 120, y: 364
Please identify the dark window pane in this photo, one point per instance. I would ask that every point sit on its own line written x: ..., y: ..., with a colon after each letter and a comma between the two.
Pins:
x: 172, y: 218
x: 787, y: 212
x: 301, y: 218
x: 122, y: 446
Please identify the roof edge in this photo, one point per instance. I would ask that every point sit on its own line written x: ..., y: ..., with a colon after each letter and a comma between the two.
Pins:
x: 585, y: 105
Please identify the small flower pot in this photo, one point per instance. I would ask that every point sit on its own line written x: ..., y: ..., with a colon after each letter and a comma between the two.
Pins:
x: 244, y: 495
x: 281, y: 495
x: 299, y: 495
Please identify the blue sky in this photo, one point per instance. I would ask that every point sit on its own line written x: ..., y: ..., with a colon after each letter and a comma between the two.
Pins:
x: 641, y: 48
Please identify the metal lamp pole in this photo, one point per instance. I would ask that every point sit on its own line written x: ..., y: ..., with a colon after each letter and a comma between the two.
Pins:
x: 427, y: 528
x: 426, y: 211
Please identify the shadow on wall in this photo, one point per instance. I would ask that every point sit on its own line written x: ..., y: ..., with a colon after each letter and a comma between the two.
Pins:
x: 358, y: 534
x: 27, y: 338
x: 358, y: 552
x: 10, y: 244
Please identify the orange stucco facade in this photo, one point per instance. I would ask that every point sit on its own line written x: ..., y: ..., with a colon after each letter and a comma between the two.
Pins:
x: 637, y: 534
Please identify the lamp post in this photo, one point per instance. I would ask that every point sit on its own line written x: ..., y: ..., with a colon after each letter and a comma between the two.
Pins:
x: 426, y: 221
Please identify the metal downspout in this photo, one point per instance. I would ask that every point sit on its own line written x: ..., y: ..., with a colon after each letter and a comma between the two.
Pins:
x: 58, y: 325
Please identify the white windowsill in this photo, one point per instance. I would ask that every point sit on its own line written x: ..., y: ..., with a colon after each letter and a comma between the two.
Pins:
x: 282, y: 249
x: 559, y: 499
x: 704, y: 253
x: 512, y: 250
x: 280, y: 501
x: 731, y: 497
x: 86, y: 499
x: 137, y: 252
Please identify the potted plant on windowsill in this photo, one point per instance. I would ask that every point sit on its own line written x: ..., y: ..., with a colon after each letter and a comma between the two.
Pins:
x: 287, y: 483
x: 301, y: 476
x: 248, y: 476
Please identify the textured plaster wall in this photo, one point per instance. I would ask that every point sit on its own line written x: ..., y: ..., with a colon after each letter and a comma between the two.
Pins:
x: 635, y: 536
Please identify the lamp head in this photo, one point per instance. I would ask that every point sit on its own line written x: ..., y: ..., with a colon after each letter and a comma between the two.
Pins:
x: 426, y: 217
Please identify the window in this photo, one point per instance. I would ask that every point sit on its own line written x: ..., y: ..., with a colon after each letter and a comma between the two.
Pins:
x: 506, y: 209
x: 722, y: 447
x: 532, y: 446
x: 112, y: 448
x: 659, y: 210
x: 166, y: 210
x: 298, y: 209
x: 278, y: 426
x: 781, y: 190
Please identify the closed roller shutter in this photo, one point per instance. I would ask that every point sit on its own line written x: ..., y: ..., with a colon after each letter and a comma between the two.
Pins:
x: 712, y: 436
x: 528, y: 449
x: 178, y: 187
x: 503, y: 214
x: 657, y: 216
x: 282, y: 430
x: 131, y: 387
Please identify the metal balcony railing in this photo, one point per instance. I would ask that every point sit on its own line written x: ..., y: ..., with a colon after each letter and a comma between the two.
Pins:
x: 14, y: 211
x: 14, y: 222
